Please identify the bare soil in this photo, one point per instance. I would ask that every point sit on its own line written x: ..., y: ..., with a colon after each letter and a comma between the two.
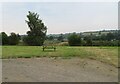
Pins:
x: 57, y: 70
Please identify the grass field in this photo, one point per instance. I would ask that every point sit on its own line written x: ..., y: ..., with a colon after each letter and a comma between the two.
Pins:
x: 105, y: 54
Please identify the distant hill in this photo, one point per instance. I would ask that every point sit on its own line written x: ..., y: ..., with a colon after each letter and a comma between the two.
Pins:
x: 95, y: 33
x: 98, y: 33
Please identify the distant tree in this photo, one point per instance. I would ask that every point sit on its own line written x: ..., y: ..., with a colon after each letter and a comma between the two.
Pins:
x: 50, y: 37
x: 37, y: 33
x: 13, y: 39
x: 0, y: 39
x: 60, y: 38
x: 110, y: 36
x: 19, y: 36
x: 99, y: 33
x: 117, y: 35
x: 88, y: 40
x: 103, y: 37
x: 74, y: 40
x: 4, y: 38
x: 96, y: 38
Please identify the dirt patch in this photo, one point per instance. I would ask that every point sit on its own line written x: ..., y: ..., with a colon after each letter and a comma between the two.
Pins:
x: 57, y: 70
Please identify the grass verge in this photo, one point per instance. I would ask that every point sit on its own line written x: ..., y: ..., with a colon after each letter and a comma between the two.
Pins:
x: 104, y: 54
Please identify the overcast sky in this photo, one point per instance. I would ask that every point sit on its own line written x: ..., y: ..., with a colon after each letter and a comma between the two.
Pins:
x: 61, y: 17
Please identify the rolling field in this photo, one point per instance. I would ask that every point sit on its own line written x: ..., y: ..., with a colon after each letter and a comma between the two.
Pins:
x: 104, y: 54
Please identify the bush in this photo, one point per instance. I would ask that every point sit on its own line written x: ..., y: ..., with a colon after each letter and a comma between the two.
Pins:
x: 88, y: 40
x: 4, y: 38
x: 105, y: 43
x: 74, y: 40
x: 13, y: 39
x: 33, y: 40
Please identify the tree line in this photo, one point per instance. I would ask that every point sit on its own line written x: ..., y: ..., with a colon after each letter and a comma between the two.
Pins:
x: 12, y: 39
x: 77, y: 39
x: 74, y: 39
x: 37, y: 35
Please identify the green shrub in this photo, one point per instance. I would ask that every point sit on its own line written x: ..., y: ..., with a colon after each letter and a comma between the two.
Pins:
x: 74, y: 40
x: 4, y: 38
x: 13, y: 39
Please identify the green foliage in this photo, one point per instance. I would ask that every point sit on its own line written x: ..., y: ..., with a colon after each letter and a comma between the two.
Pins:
x: 109, y: 36
x: 13, y: 39
x: 50, y: 38
x: 105, y: 43
x: 60, y: 38
x: 33, y: 40
x: 0, y: 39
x: 4, y: 38
x: 19, y: 37
x: 37, y: 33
x: 98, y: 38
x: 74, y: 40
x: 88, y: 40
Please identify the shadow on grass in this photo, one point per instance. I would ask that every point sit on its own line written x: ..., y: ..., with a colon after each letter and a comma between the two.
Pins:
x: 49, y: 51
x: 24, y: 57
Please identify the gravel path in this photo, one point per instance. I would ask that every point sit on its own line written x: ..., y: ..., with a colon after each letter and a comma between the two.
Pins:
x: 57, y: 70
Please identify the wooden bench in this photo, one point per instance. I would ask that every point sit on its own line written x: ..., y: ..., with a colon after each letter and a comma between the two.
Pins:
x: 49, y: 47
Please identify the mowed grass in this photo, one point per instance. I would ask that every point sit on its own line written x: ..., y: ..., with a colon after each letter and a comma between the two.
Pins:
x: 104, y: 54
